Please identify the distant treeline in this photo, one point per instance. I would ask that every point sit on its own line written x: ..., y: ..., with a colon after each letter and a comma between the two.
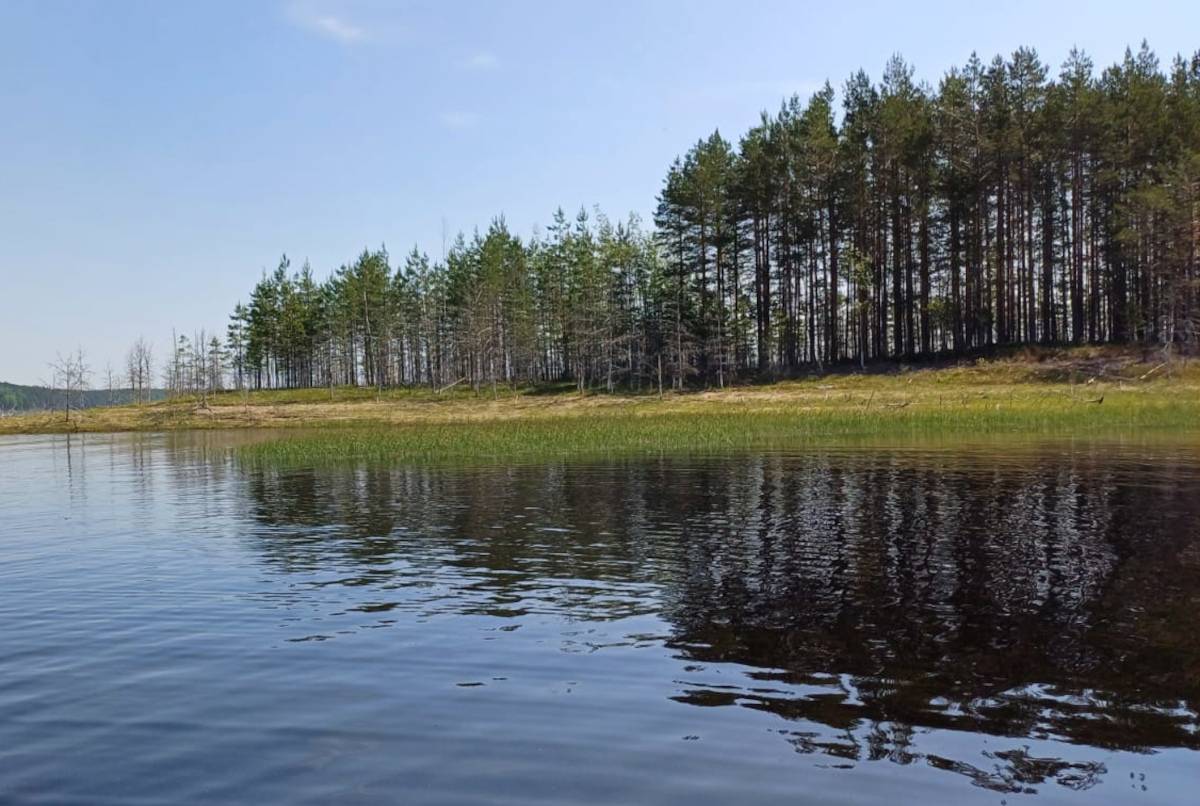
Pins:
x: 1004, y: 206
x: 14, y: 397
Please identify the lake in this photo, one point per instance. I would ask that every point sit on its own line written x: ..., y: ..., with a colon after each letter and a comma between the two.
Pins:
x: 993, y: 622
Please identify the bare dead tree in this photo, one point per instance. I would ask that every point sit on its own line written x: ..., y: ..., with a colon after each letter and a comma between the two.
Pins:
x: 139, y: 363
x: 133, y: 367
x: 71, y: 374
x: 110, y: 381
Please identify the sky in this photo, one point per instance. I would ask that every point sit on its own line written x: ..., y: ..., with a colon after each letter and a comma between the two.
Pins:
x: 156, y: 157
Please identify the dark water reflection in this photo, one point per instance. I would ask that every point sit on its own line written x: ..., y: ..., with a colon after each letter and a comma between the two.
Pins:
x: 840, y: 625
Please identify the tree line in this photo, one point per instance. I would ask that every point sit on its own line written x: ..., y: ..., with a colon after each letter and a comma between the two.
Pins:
x: 1004, y: 206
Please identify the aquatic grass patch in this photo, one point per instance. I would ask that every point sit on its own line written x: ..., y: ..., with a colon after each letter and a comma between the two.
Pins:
x: 729, y: 426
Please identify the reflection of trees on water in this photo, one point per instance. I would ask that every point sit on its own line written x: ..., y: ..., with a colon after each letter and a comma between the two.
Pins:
x: 940, y: 593
x: 501, y: 542
x: 867, y: 595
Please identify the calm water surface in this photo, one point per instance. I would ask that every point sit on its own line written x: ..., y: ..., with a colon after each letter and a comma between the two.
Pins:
x: 977, y: 624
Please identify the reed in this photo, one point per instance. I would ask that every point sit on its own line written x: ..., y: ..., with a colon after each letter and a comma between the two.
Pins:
x: 729, y: 427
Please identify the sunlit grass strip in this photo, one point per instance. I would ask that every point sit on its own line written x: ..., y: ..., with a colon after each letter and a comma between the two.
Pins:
x: 731, y: 428
x: 1082, y: 389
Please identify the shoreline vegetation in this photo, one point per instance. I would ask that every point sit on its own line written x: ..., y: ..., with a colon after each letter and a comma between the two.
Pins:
x: 1013, y: 203
x: 1082, y: 391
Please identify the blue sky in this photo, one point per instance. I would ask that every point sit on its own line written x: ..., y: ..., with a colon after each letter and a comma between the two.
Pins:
x: 156, y: 156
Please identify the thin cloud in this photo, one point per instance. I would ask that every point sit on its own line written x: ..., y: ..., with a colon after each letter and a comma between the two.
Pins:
x: 329, y: 26
x: 338, y: 29
x: 459, y: 120
x: 481, y: 60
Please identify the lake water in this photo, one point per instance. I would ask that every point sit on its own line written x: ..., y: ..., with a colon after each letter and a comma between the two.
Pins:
x: 991, y: 623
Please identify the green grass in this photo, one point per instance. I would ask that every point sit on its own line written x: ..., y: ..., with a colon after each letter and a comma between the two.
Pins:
x: 731, y: 427
x: 1098, y: 392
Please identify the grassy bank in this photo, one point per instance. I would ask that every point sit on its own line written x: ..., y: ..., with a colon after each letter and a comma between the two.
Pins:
x: 1064, y: 392
x: 702, y: 432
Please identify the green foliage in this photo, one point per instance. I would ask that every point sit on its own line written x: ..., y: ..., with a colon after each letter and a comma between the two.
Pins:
x: 1003, y: 207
